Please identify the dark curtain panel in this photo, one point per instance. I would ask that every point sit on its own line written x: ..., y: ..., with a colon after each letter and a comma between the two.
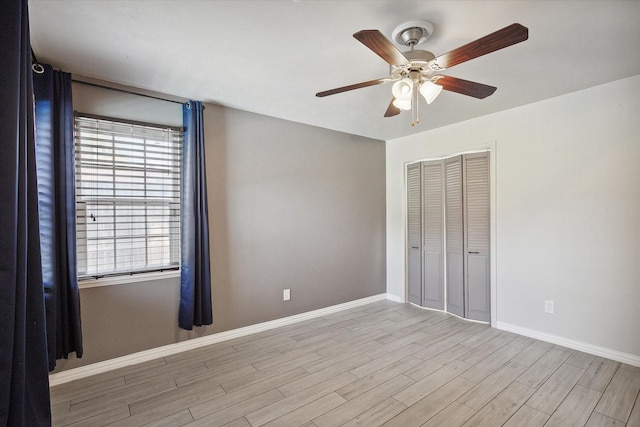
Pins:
x: 24, y: 381
x: 195, y: 283
x: 57, y: 201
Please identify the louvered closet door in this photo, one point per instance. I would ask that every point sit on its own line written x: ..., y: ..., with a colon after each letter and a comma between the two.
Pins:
x: 476, y: 196
x: 414, y: 238
x: 454, y: 235
x: 433, y: 235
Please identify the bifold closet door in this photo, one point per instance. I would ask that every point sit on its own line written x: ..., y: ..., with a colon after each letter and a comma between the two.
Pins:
x: 433, y: 235
x: 448, y: 231
x: 414, y: 237
x: 454, y: 235
x: 476, y: 236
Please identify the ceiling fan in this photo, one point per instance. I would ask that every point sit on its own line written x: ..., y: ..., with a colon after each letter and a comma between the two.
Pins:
x: 417, y: 71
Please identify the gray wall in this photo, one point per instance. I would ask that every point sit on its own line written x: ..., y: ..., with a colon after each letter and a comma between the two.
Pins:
x: 290, y: 206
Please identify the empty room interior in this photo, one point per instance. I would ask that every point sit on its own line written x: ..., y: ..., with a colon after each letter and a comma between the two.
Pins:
x: 455, y: 242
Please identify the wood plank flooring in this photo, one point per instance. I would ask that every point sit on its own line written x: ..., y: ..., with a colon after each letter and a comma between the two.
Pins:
x: 384, y: 363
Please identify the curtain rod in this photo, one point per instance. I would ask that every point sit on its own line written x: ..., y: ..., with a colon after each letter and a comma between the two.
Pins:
x: 126, y: 91
x: 38, y: 68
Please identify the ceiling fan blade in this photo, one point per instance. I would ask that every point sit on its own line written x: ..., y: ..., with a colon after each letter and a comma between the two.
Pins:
x: 514, y: 33
x: 392, y: 110
x: 374, y: 40
x: 465, y: 87
x: 352, y: 87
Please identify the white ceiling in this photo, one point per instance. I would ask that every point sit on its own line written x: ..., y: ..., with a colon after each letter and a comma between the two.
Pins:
x: 271, y: 57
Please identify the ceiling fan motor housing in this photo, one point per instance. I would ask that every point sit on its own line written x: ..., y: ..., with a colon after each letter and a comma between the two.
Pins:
x: 418, y: 61
x: 419, y: 58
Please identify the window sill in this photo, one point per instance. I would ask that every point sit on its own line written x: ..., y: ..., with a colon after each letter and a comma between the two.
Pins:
x: 121, y: 280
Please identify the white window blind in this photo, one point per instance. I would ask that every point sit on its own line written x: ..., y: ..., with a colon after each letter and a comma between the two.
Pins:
x: 127, y: 196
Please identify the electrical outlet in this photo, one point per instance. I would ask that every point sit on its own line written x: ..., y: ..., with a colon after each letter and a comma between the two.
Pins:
x: 286, y: 295
x: 549, y: 307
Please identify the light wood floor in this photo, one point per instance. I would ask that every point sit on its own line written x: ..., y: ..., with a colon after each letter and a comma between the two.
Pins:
x: 381, y: 364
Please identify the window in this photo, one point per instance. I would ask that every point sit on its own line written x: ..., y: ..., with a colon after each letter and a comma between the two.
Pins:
x: 127, y: 196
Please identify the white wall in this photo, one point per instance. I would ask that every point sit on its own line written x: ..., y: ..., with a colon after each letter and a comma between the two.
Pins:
x: 567, y: 211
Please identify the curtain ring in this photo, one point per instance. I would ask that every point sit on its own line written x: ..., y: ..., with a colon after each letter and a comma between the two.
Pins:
x: 37, y: 68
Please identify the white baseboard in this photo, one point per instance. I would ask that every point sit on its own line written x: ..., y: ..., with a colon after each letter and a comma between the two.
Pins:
x: 618, y: 356
x: 394, y: 298
x: 155, y: 353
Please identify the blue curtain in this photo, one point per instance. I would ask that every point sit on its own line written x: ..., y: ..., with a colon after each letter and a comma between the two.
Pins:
x: 195, y: 276
x: 24, y: 380
x: 56, y: 195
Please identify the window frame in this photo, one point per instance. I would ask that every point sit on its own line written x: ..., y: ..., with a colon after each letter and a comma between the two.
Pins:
x: 135, y: 274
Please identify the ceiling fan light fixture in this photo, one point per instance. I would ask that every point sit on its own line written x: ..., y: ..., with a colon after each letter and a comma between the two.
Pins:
x: 430, y: 91
x: 402, y: 89
x: 402, y: 104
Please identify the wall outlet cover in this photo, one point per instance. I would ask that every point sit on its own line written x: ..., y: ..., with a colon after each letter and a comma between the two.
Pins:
x: 286, y: 295
x: 549, y: 307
